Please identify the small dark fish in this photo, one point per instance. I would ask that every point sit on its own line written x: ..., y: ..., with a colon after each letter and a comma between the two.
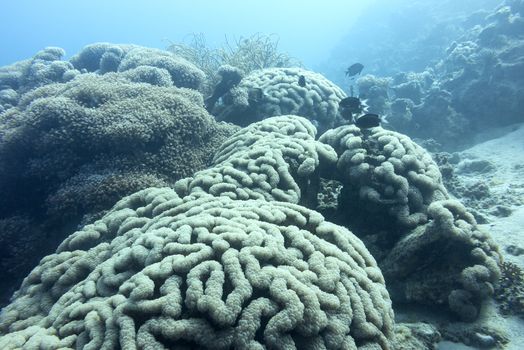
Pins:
x: 352, y: 103
x: 302, y: 81
x: 368, y: 121
x: 354, y: 69
x: 349, y: 106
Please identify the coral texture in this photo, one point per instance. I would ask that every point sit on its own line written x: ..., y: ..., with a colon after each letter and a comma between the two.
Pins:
x: 70, y: 151
x: 44, y: 68
x: 210, y: 271
x: 183, y: 73
x: 385, y: 174
x: 106, y: 57
x: 429, y: 247
x: 510, y: 290
x: 277, y: 159
x: 105, y: 123
x: 276, y: 91
x: 100, y: 57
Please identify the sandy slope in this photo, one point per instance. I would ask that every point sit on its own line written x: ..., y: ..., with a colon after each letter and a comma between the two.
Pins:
x: 505, y: 179
x: 506, y: 182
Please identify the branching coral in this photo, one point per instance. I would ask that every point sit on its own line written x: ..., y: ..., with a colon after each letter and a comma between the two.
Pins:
x: 255, y: 52
x: 245, y: 54
x: 199, y: 53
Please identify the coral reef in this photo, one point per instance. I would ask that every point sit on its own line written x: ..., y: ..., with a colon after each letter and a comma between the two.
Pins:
x: 227, y: 251
x: 429, y: 247
x: 283, y: 154
x: 106, y: 57
x: 183, y: 73
x: 510, y: 290
x: 211, y: 270
x: 246, y: 54
x: 476, y: 85
x: 70, y: 151
x: 105, y: 122
x: 44, y: 68
x: 276, y: 91
x: 386, y: 176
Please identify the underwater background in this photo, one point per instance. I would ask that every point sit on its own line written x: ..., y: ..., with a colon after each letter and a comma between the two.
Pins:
x: 273, y: 174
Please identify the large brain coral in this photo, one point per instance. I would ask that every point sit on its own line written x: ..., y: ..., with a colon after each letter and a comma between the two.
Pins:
x: 277, y: 91
x: 201, y: 270
x: 460, y: 262
x: 429, y: 247
x: 385, y: 173
x: 277, y: 159
x: 207, y: 272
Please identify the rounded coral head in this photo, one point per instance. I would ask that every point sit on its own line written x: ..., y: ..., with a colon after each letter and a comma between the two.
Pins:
x: 206, y: 271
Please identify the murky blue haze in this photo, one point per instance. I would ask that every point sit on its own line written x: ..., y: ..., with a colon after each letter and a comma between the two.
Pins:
x: 307, y: 29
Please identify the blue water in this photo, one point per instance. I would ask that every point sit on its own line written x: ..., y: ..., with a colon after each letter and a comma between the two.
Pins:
x: 307, y: 29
